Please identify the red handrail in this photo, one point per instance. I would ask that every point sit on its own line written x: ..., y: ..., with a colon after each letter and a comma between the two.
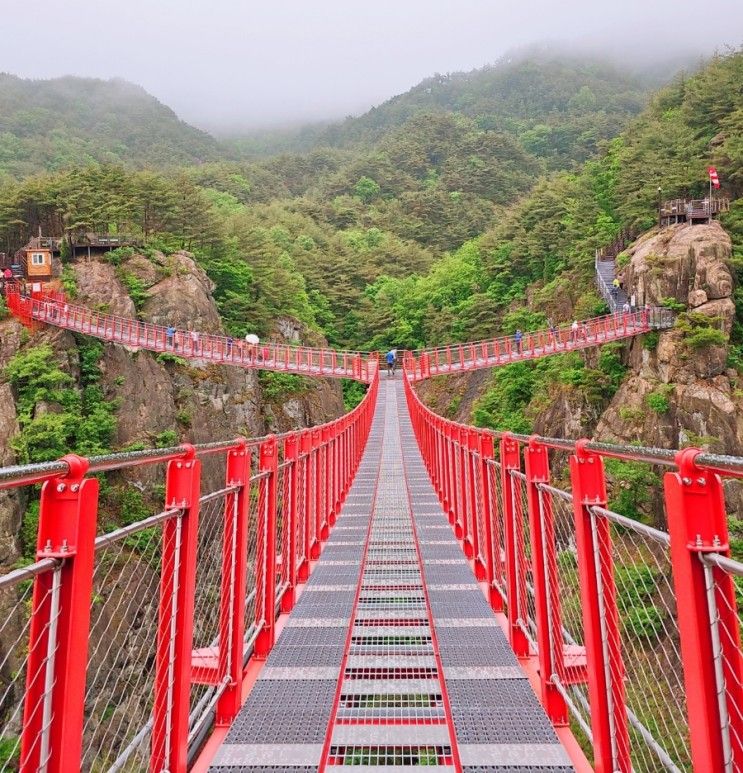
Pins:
x: 53, y: 309
x: 273, y: 489
x: 689, y: 574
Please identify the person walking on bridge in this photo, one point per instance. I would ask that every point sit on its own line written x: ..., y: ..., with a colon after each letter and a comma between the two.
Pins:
x: 391, y: 360
x: 517, y: 339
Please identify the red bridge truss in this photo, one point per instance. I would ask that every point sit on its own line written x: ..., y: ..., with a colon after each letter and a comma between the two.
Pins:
x: 390, y: 589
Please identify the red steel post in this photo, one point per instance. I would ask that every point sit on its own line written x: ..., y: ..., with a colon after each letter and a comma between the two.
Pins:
x: 326, y: 481
x: 268, y: 462
x: 697, y: 524
x: 469, y: 448
x: 606, y: 675
x: 492, y: 547
x: 317, y: 453
x: 169, y: 748
x: 60, y: 623
x: 544, y: 567
x: 304, y: 488
x: 234, y: 582
x: 510, y: 460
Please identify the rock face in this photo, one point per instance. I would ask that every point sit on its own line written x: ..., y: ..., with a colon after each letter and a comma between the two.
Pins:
x: 692, y: 265
x: 688, y: 263
x: 678, y: 390
x: 199, y: 402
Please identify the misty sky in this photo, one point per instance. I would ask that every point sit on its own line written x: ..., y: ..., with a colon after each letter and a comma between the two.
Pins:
x: 243, y: 63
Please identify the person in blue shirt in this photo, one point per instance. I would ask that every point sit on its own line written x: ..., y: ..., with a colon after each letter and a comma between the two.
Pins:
x: 518, y: 336
x: 391, y: 359
x: 170, y: 335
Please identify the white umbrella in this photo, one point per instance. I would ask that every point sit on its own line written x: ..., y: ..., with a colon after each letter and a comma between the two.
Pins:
x: 252, y: 338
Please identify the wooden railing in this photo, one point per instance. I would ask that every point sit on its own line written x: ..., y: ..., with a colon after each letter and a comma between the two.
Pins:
x: 694, y: 208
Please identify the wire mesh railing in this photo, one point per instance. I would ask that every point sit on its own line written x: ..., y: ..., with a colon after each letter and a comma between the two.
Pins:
x: 721, y: 575
x: 122, y: 641
x: 119, y: 650
x: 635, y: 630
x: 16, y: 590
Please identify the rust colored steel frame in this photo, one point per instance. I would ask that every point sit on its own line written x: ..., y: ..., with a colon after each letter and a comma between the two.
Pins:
x: 52, y: 731
x: 713, y: 665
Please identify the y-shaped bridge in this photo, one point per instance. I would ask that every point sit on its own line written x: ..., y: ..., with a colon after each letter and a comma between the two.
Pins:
x: 388, y: 590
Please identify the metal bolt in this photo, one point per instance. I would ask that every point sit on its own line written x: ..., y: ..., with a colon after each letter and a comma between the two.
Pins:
x: 178, y: 465
x: 699, y: 540
x: 590, y: 460
x: 75, y: 487
x: 686, y: 481
x: 64, y: 547
x: 48, y: 546
x: 61, y: 487
x: 702, y: 481
x: 716, y: 540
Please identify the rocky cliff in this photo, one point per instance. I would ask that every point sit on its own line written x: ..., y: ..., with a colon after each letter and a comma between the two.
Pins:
x: 678, y: 389
x: 160, y: 398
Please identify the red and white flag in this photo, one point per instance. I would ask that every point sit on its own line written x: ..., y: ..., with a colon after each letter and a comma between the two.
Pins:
x: 714, y: 179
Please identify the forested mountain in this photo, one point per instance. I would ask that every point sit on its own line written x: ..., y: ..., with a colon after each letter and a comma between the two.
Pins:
x: 52, y: 124
x: 442, y: 230
x: 431, y: 234
x: 558, y: 107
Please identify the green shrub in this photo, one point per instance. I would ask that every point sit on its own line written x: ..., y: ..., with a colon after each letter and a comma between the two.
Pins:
x: 10, y: 752
x: 3, y: 309
x: 115, y: 257
x: 69, y: 282
x: 650, y: 340
x: 282, y: 386
x: 643, y: 622
x: 166, y: 358
x: 184, y: 418
x: 30, y: 530
x: 673, y: 304
x: 166, y: 439
x: 79, y: 420
x: 636, y: 584
x: 134, y: 286
x: 626, y: 413
x: 567, y: 559
x: 704, y: 337
x: 632, y: 487
x: 658, y: 402
x: 353, y: 393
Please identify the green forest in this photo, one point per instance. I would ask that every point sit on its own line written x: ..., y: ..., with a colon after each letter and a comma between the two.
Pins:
x: 429, y: 219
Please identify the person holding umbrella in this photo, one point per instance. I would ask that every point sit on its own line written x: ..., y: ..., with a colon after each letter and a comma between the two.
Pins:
x: 252, y: 340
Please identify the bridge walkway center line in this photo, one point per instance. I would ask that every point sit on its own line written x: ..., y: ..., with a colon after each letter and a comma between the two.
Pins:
x: 392, y: 657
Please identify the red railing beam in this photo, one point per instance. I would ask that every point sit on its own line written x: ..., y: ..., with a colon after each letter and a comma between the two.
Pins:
x: 52, y: 732
x: 510, y: 461
x: 600, y: 615
x: 169, y: 748
x: 267, y: 463
x: 697, y: 524
x: 544, y: 567
x: 234, y: 583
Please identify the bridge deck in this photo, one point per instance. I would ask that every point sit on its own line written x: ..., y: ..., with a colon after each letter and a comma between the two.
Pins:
x: 392, y: 658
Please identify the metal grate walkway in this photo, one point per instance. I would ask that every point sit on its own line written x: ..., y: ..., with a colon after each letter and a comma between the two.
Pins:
x: 392, y: 657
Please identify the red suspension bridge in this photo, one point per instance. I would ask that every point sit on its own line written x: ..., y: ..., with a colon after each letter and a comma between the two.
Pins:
x: 391, y: 589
